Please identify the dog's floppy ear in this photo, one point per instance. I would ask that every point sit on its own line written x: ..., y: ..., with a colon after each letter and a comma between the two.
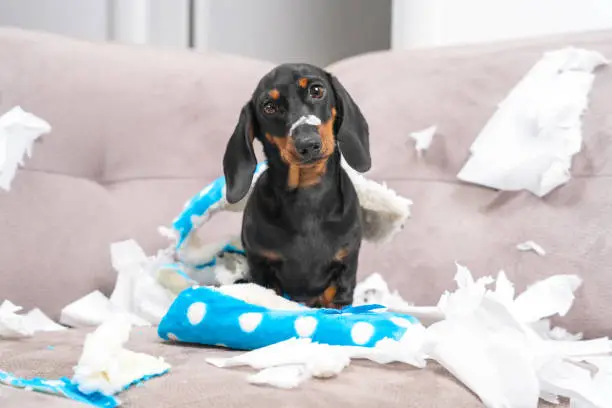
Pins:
x: 239, y: 161
x: 351, y: 129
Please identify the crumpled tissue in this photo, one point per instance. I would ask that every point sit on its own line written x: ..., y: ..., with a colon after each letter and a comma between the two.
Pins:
x: 488, y: 341
x: 531, y: 246
x: 18, y: 131
x: 137, y: 293
x: 423, y: 138
x: 289, y: 363
x: 374, y: 290
x: 105, y: 366
x: 529, y: 142
x: 15, y: 326
x: 499, y: 345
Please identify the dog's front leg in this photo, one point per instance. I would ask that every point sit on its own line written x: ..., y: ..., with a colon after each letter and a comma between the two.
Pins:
x: 346, y: 281
x: 261, y: 272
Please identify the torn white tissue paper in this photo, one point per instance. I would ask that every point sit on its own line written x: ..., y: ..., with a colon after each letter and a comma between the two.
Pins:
x: 531, y: 246
x: 15, y: 326
x: 259, y: 295
x: 18, y: 131
x: 374, y: 290
x: 422, y: 139
x: 11, y: 324
x: 384, y: 211
x: 529, y: 142
x: 544, y: 329
x: 487, y: 351
x: 39, y: 321
x: 137, y: 290
x: 498, y: 345
x: 284, y: 377
x: 410, y: 349
x: 602, y: 380
x: 282, y: 353
x: 106, y: 366
x: 137, y: 293
x: 90, y: 310
x: 551, y: 296
x: 289, y: 363
x: 488, y: 341
x: 305, y: 360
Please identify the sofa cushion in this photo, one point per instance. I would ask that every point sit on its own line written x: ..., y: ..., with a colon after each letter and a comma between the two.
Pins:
x: 192, y: 382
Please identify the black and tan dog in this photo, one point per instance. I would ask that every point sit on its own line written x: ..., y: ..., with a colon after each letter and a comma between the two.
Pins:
x: 301, y: 229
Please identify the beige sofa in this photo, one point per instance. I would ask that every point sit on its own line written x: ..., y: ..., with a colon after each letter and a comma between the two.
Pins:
x: 137, y: 131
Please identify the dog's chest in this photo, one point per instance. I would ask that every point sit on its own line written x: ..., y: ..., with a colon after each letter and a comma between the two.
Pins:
x: 302, y: 230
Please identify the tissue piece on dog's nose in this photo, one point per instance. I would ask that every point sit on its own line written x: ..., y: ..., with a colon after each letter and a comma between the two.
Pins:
x: 18, y: 131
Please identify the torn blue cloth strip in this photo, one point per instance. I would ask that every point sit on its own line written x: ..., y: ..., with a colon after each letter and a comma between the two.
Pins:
x: 66, y: 388
x: 201, y: 204
x: 206, y: 316
x: 63, y: 387
x: 229, y: 248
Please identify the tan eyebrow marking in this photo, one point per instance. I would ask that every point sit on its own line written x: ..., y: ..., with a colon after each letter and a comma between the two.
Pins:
x: 303, y: 82
x: 274, y: 94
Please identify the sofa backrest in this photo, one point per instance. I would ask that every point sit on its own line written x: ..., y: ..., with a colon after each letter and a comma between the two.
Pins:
x: 137, y: 131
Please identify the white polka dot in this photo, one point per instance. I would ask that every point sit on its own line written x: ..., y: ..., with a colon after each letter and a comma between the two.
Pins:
x: 205, y: 191
x: 362, y: 332
x: 249, y: 321
x: 401, y: 322
x: 196, y: 313
x: 172, y: 336
x: 305, y: 326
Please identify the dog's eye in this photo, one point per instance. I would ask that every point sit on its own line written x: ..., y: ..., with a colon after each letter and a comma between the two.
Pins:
x: 270, y: 108
x: 317, y: 91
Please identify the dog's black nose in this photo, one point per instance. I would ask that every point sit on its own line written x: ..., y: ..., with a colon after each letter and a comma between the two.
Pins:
x: 308, y: 145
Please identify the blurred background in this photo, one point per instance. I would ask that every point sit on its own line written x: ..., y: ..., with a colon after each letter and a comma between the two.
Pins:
x: 317, y: 31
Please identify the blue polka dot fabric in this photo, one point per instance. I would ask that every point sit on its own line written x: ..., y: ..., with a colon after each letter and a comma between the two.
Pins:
x: 203, y: 205
x: 66, y: 388
x: 206, y: 316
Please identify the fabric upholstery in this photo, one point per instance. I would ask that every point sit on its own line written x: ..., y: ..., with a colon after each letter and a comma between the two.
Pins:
x: 192, y: 382
x: 137, y: 131
x: 458, y: 89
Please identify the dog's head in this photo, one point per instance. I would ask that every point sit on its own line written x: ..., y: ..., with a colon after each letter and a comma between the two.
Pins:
x: 300, y: 113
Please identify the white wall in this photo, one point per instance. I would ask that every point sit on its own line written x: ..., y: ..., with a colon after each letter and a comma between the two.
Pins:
x: 157, y: 22
x: 78, y: 18
x: 316, y: 31
x: 425, y: 23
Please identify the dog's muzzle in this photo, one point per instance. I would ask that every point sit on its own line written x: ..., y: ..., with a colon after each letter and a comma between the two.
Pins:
x: 306, y: 138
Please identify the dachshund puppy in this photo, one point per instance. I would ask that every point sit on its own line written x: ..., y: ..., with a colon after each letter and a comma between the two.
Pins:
x: 301, y: 229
